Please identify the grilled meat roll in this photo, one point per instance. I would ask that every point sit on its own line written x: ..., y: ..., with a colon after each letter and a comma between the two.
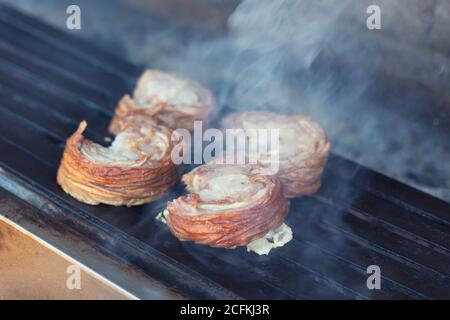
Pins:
x: 172, y: 100
x: 303, y: 148
x: 227, y: 206
x: 135, y: 169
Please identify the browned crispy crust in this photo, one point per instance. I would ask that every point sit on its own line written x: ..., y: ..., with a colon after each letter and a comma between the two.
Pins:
x: 171, y: 115
x: 230, y: 227
x: 301, y: 174
x: 114, y: 184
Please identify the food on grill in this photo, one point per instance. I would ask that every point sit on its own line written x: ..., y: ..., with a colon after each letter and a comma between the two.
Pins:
x: 227, y: 206
x: 303, y: 148
x: 274, y: 238
x: 174, y: 101
x: 135, y: 169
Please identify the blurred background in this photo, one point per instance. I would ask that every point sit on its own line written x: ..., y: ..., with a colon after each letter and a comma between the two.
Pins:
x: 383, y: 96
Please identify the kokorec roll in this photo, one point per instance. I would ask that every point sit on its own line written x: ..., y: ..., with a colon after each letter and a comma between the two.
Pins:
x: 303, y: 148
x: 135, y: 169
x: 227, y: 206
x: 168, y: 98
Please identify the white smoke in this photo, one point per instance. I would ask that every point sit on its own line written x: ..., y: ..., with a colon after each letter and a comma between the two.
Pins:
x: 315, y: 57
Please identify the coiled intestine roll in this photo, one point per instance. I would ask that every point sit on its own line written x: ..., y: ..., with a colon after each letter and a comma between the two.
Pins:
x: 171, y: 99
x: 303, y: 148
x: 227, y: 206
x: 135, y: 169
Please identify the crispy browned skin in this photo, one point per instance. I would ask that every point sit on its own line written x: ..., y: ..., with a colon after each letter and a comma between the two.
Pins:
x: 219, y: 226
x: 172, y: 114
x: 118, y: 182
x: 301, y: 172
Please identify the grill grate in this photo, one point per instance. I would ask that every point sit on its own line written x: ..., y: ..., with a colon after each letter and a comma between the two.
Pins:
x: 49, y: 81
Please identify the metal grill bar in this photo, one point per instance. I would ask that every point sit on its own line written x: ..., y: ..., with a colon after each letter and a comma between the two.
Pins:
x: 50, y: 81
x: 73, y: 47
x: 390, y: 189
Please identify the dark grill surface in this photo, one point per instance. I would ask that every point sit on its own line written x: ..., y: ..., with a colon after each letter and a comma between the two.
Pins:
x: 49, y: 81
